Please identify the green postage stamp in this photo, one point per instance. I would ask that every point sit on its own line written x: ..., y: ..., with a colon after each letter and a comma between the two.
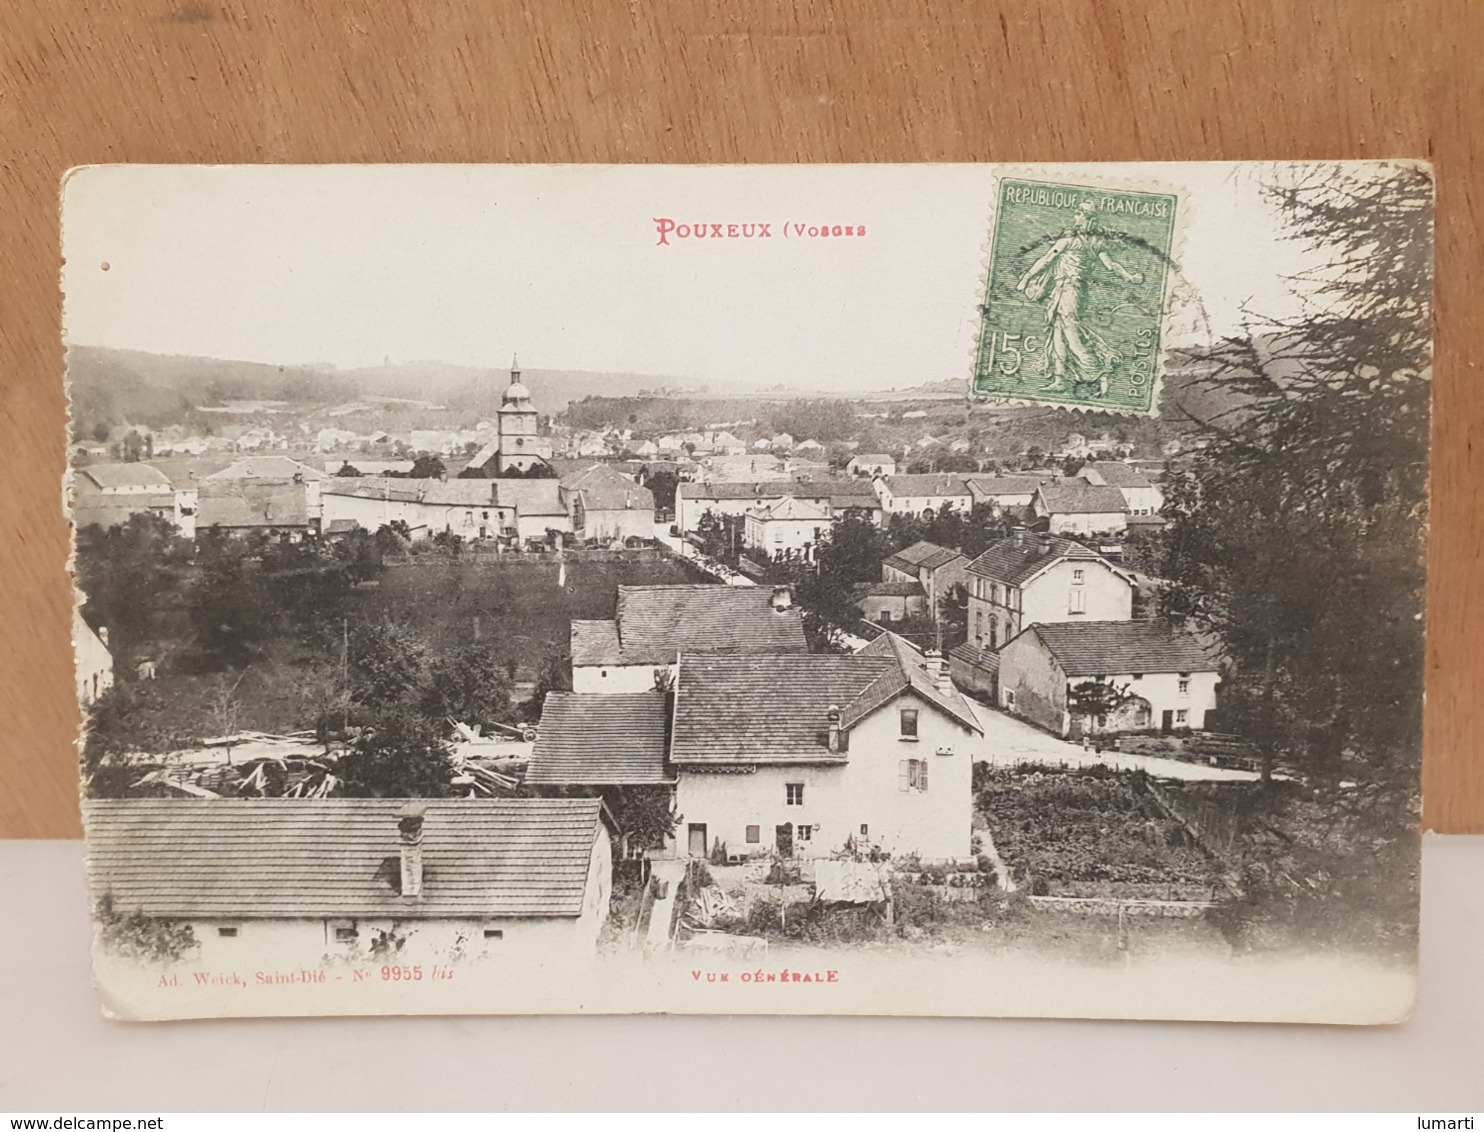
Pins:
x: 1078, y: 278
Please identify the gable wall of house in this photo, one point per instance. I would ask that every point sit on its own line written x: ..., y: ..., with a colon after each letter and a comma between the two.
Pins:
x: 838, y: 799
x: 1107, y: 595
x: 616, y: 678
x: 617, y: 523
x: 1061, y: 523
x: 1032, y: 684
x: 774, y: 535
x: 373, y: 514
x: 899, y: 606
x: 688, y: 512
x: 998, y: 612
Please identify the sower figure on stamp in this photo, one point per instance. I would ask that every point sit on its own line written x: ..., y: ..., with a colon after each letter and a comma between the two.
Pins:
x: 1061, y: 277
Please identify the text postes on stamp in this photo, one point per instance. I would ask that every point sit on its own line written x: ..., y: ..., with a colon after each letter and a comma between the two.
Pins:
x: 1072, y: 314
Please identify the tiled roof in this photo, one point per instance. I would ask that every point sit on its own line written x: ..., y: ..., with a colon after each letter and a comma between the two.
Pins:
x: 839, y: 493
x: 775, y: 709
x: 375, y: 487
x: 603, y: 488
x: 282, y: 858
x: 654, y: 623
x: 279, y: 468
x: 986, y: 660
x: 764, y: 709
x: 1006, y: 562
x: 922, y: 556
x: 487, y: 453
x: 459, y: 493
x: 606, y: 740
x: 805, y: 510
x: 125, y: 475
x: 596, y: 642
x: 886, y: 589
x: 911, y: 671
x: 530, y: 497
x: 1111, y: 648
x: 1004, y: 485
x: 1074, y: 497
x: 873, y: 458
x: 242, y: 503
x: 939, y: 484
x: 1118, y: 474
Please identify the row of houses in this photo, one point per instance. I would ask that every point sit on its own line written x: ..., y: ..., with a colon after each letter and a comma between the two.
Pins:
x: 786, y: 516
x: 280, y: 496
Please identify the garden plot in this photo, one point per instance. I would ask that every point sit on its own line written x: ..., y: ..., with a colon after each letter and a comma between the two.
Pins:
x: 1090, y: 832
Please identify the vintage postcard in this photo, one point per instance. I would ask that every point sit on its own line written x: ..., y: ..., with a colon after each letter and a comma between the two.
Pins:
x: 937, y: 590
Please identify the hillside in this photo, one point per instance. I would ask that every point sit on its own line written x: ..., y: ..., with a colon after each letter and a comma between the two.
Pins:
x: 110, y: 387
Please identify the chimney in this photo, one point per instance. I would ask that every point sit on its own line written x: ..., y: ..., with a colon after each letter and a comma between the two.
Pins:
x: 783, y: 599
x: 943, y: 679
x: 103, y: 635
x: 410, y: 832
x: 937, y: 671
x: 833, y: 715
x: 1019, y: 536
x: 1043, y: 544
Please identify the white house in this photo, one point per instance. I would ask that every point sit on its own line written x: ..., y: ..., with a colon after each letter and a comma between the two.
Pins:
x: 869, y: 465
x: 788, y: 527
x: 653, y: 625
x: 94, y: 663
x: 811, y: 755
x: 303, y: 885
x: 109, y: 494
x: 1027, y: 579
x: 918, y: 494
x: 1080, y: 508
x: 1007, y: 493
x: 374, y: 502
x: 1139, y: 492
x: 693, y: 500
x: 1164, y: 677
x: 886, y: 602
x: 604, y: 505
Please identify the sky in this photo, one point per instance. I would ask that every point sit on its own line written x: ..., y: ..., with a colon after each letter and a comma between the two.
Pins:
x: 357, y: 265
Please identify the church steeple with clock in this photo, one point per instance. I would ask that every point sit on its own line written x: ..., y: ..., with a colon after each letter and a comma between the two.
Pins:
x: 520, y: 444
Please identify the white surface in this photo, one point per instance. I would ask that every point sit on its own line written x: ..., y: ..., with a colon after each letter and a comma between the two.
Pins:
x: 58, y: 1055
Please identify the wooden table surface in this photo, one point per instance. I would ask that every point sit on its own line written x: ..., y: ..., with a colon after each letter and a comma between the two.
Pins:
x: 702, y: 81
